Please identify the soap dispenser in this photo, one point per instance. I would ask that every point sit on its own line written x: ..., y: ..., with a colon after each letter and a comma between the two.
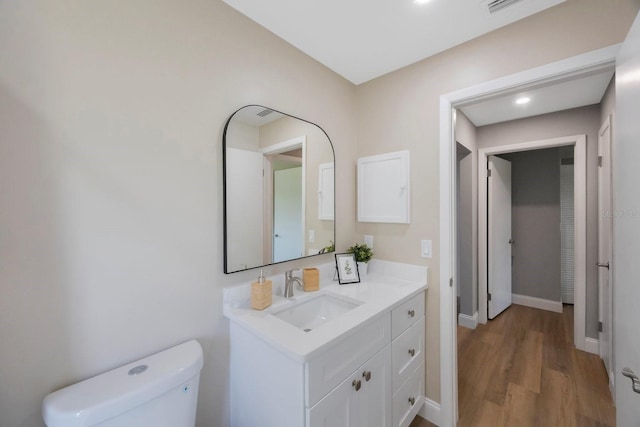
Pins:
x: 261, y: 293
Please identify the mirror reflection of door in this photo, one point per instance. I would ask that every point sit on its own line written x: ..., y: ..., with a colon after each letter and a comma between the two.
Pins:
x: 287, y: 214
x: 242, y: 193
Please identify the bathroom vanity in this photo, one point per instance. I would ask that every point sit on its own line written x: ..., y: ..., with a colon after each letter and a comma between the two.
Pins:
x: 346, y: 355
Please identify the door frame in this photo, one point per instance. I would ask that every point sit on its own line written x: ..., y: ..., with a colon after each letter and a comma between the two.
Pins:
x: 580, y: 223
x: 576, y: 66
x: 608, y: 322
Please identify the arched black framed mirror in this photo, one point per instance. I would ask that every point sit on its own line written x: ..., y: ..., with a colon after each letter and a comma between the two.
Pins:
x: 279, y: 183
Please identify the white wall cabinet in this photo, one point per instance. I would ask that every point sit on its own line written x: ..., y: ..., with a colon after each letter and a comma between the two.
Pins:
x: 383, y: 188
x: 372, y: 376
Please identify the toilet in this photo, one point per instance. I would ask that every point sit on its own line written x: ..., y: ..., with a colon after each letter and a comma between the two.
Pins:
x: 158, y: 391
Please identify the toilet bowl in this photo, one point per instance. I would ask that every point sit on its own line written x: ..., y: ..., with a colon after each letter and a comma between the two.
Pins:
x: 158, y: 391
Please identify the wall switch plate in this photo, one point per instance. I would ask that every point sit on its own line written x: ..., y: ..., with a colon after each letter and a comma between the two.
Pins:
x: 312, y: 236
x: 426, y: 248
x: 368, y: 240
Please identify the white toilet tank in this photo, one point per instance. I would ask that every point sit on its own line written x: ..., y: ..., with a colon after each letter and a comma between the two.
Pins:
x: 158, y: 391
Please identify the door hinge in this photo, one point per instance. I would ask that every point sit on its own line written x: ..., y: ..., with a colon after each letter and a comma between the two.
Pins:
x: 599, y: 326
x: 488, y: 173
x: 451, y: 282
x: 489, y: 297
x: 599, y: 161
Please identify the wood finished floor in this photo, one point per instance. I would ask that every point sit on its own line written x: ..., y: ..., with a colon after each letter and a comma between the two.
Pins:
x: 522, y: 369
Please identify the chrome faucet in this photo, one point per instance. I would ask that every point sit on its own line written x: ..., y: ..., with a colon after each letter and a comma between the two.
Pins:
x: 289, y: 280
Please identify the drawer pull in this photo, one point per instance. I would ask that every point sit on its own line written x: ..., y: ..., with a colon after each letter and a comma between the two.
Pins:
x: 412, y: 352
x: 411, y: 313
x: 412, y: 401
x: 366, y: 375
x: 356, y: 384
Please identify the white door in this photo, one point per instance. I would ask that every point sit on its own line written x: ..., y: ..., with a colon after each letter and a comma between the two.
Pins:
x: 499, y: 236
x: 287, y: 214
x: 244, y: 210
x: 604, y: 246
x: 626, y: 228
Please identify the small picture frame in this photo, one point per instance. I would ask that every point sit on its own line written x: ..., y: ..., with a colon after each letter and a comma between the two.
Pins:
x: 347, y: 269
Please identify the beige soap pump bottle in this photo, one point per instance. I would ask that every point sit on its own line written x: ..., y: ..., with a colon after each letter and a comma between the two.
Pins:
x: 261, y: 293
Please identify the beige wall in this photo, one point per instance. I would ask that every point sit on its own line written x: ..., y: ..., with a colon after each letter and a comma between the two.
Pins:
x: 111, y: 120
x: 400, y: 111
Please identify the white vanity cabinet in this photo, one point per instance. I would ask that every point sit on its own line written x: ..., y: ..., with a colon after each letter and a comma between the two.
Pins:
x: 407, y: 359
x: 370, y: 376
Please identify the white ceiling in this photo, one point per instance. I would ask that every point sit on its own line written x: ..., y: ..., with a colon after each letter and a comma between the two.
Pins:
x: 547, y: 98
x: 364, y: 39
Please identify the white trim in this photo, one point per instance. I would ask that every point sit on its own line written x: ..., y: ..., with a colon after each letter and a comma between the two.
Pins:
x: 580, y: 223
x: 592, y: 345
x: 284, y: 146
x: 430, y: 411
x: 533, y: 302
x: 448, y: 301
x: 467, y: 321
x: 580, y: 64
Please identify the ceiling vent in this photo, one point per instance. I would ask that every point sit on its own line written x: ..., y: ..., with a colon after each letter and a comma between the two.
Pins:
x: 497, y: 5
x: 265, y: 112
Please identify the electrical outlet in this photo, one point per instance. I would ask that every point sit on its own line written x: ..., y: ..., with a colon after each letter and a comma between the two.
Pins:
x: 312, y: 236
x: 426, y: 248
x: 368, y: 240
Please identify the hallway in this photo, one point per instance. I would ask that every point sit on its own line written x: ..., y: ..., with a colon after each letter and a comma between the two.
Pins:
x: 522, y: 369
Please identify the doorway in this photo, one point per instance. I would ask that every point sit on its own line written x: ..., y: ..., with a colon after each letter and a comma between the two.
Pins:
x: 284, y: 207
x: 580, y: 221
x: 570, y: 68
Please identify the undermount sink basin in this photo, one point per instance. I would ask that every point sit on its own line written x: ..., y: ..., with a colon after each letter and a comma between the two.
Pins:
x: 311, y: 313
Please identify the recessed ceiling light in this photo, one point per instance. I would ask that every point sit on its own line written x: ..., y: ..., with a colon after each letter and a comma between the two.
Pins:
x: 421, y: 1
x: 522, y: 100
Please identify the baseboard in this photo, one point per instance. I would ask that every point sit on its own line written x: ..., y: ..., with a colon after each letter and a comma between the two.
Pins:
x: 533, y: 302
x: 430, y: 411
x: 468, y: 321
x: 592, y: 345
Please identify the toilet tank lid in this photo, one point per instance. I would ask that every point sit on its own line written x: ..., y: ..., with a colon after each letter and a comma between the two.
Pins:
x: 117, y: 391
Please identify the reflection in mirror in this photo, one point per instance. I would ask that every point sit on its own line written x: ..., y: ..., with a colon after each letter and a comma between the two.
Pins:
x: 278, y: 189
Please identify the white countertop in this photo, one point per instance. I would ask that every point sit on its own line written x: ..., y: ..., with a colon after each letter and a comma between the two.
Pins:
x: 380, y: 291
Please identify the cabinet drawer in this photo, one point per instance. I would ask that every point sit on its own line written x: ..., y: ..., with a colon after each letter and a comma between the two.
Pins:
x: 409, y: 399
x: 406, y: 314
x: 329, y: 369
x: 407, y: 352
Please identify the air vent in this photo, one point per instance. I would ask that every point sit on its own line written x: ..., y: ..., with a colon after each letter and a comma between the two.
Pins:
x: 496, y: 5
x: 265, y: 112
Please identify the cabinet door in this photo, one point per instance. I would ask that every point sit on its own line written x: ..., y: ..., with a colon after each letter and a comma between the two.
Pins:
x: 383, y: 188
x: 338, y: 408
x: 374, y: 400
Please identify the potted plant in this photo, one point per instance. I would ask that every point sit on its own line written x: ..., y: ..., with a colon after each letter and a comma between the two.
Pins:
x: 363, y: 255
x: 328, y: 249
